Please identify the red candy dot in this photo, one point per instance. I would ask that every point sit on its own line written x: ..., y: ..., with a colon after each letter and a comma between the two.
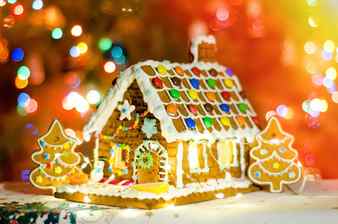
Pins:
x: 157, y: 82
x: 193, y: 109
x: 226, y: 95
x: 255, y: 120
x: 196, y: 71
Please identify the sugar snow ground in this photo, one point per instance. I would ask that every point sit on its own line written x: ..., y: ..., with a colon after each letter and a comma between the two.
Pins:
x: 258, y: 207
x: 320, y: 206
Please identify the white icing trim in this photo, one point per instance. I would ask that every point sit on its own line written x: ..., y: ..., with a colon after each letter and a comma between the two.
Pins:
x: 148, y: 145
x: 127, y: 192
x: 179, y: 166
x: 242, y: 158
x: 197, y: 41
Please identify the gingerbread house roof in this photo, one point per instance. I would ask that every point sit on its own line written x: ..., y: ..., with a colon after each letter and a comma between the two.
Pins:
x: 200, y: 100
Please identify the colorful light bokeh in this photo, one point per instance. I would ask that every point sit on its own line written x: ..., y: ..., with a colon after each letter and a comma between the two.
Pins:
x: 284, y: 53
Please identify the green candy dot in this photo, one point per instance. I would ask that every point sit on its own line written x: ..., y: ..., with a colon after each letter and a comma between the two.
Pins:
x: 174, y: 93
x: 208, y: 122
x: 211, y: 83
x: 243, y: 107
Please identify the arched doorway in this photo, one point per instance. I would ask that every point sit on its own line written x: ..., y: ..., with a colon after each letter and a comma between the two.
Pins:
x: 150, y: 163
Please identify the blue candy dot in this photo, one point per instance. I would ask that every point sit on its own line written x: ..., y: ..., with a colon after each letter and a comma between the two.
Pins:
x: 42, y: 143
x: 195, y: 83
x: 46, y: 156
x: 17, y: 54
x: 225, y: 107
x: 190, y: 123
x: 258, y: 174
x: 229, y: 71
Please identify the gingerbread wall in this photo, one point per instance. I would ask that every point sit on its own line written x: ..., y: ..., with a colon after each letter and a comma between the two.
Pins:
x: 135, y: 137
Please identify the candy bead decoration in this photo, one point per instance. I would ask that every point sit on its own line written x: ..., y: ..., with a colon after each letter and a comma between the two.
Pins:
x: 195, y: 83
x: 243, y: 107
x: 211, y: 83
x: 193, y: 94
x: 211, y: 96
x: 229, y: 83
x: 225, y: 121
x: 208, y: 107
x: 225, y: 107
x: 193, y: 109
x: 174, y: 93
x: 172, y: 109
x: 213, y: 72
x: 190, y: 123
x: 161, y: 69
x: 226, y: 95
x: 157, y: 82
x: 208, y: 122
x: 241, y: 121
x: 196, y: 71
x: 179, y: 70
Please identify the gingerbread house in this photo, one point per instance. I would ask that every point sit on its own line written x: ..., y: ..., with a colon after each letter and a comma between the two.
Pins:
x: 186, y: 125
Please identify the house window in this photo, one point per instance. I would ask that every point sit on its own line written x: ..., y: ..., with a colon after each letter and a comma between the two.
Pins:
x: 193, y: 157
x: 119, y: 156
x: 198, y: 157
x: 227, y: 154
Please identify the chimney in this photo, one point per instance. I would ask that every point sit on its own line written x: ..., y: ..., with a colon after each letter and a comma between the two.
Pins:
x: 203, y: 48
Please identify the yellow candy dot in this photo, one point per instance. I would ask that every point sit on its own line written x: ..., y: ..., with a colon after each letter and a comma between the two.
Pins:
x: 229, y: 83
x: 66, y: 146
x: 193, y: 94
x: 39, y: 179
x: 276, y: 165
x: 58, y: 170
x: 161, y: 69
x: 225, y: 121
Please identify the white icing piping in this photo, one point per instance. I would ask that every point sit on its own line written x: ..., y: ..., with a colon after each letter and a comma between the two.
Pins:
x: 127, y: 192
x: 242, y: 158
x: 179, y: 166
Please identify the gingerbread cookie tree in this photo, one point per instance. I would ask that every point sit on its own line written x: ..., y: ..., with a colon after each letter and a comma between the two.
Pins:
x: 276, y: 161
x: 56, y: 158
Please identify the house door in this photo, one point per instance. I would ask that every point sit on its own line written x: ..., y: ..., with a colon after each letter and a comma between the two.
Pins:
x: 150, y: 163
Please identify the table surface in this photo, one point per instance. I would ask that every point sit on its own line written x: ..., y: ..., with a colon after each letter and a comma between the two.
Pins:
x: 316, y: 205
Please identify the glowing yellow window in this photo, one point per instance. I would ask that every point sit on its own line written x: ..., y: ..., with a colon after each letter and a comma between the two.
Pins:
x: 226, y: 151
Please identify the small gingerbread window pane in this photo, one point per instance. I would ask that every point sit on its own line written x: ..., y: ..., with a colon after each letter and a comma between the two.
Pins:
x: 193, y: 156
x: 225, y: 153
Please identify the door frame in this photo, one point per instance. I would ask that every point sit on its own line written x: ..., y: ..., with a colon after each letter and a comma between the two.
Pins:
x: 155, y: 147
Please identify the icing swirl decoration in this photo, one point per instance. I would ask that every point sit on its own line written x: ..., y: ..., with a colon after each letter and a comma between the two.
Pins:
x: 149, y: 127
